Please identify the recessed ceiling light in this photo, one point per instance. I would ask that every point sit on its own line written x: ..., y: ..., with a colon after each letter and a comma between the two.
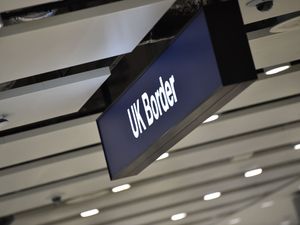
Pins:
x: 178, y: 216
x: 89, y: 213
x: 121, y: 188
x: 212, y: 196
x: 253, y: 173
x: 267, y: 204
x: 211, y: 118
x: 275, y: 70
x: 163, y: 156
x: 297, y: 147
x: 235, y: 221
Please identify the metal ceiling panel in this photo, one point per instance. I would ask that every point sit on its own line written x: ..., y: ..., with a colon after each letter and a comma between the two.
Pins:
x: 236, y: 123
x: 8, y: 5
x: 161, y: 185
x: 50, y: 99
x: 275, y: 49
x: 60, y: 167
x: 77, y: 37
x: 280, y: 7
x: 47, y: 141
x: 209, y: 215
x: 267, y: 90
x: 282, y: 208
x: 50, y: 170
x: 134, y: 214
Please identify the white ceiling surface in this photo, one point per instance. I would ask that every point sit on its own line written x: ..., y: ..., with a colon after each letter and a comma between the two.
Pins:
x: 286, y: 50
x: 44, y: 100
x: 48, y: 141
x: 282, y: 202
x: 77, y: 37
x: 8, y: 5
x: 280, y: 7
x: 257, y: 129
x: 287, y: 44
x: 266, y: 90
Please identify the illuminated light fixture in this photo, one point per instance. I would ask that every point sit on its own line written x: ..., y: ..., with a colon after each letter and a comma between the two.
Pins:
x: 178, y: 216
x: 267, y: 204
x: 163, y: 156
x: 253, y: 173
x: 297, y: 147
x: 211, y: 118
x: 272, y: 71
x: 121, y: 188
x: 89, y: 213
x: 212, y: 196
x: 235, y: 221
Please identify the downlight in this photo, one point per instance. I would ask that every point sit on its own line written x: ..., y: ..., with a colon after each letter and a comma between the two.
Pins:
x: 163, y: 156
x: 253, y: 173
x: 212, y: 196
x: 121, y: 188
x: 278, y: 69
x: 297, y: 147
x: 89, y: 213
x: 178, y: 216
x: 211, y: 118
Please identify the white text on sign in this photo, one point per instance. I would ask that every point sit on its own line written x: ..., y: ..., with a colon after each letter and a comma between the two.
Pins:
x: 154, y: 106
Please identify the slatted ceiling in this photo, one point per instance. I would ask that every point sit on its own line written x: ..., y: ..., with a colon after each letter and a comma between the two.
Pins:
x: 199, y: 164
x: 281, y: 135
x: 202, y: 215
x: 210, y: 214
x: 166, y: 184
x: 170, y: 165
x: 42, y: 101
x: 8, y: 5
x: 183, y: 159
x: 41, y: 196
x: 28, y: 44
x: 195, y: 202
x: 235, y: 123
x: 282, y: 200
x: 47, y: 141
x: 81, y: 132
x: 49, y: 170
x: 280, y: 7
x: 265, y: 90
x: 265, y: 55
x: 61, y: 211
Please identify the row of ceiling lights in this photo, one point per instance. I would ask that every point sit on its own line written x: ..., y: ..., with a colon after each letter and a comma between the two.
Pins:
x: 207, y: 197
x: 210, y: 196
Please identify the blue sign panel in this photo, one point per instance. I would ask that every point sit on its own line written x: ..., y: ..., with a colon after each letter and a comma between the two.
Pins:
x: 183, y: 87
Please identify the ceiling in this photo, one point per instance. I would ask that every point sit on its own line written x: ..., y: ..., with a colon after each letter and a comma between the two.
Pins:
x: 52, y: 165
